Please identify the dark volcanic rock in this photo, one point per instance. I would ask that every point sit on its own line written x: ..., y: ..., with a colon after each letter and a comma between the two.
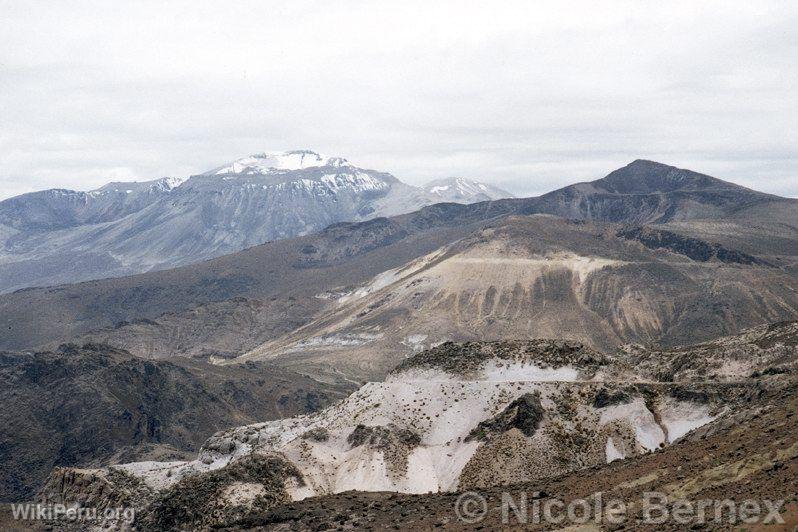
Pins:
x: 319, y: 434
x: 524, y: 414
x: 467, y: 357
x: 113, y: 488
x: 681, y: 393
x: 692, y: 248
x: 380, y: 437
x: 395, y: 443
x: 606, y: 398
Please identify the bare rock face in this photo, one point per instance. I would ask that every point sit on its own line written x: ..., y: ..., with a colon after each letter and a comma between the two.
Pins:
x: 767, y: 350
x: 249, y: 485
x: 466, y: 357
x: 95, y: 488
x: 318, y: 434
x: 748, y: 455
x: 694, y: 248
x: 507, y: 420
x: 381, y: 437
x: 605, y: 397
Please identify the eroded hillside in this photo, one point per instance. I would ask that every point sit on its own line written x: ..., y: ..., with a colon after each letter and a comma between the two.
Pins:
x: 470, y: 416
x: 539, y: 276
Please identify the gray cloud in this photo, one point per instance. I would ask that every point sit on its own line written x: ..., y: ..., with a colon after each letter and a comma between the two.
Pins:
x: 530, y: 96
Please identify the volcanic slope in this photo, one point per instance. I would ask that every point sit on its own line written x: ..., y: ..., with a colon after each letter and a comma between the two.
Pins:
x: 649, y: 192
x: 58, y: 236
x: 540, y: 276
x: 749, y: 453
x: 301, y: 268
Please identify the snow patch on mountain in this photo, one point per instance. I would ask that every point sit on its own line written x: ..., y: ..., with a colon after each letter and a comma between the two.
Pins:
x: 679, y: 418
x: 648, y: 433
x: 169, y: 183
x: 331, y: 184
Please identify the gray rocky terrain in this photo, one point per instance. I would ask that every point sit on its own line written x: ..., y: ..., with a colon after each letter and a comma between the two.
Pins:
x: 540, y: 276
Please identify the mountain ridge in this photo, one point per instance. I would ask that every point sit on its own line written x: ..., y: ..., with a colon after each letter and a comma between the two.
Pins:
x: 541, y: 276
x: 651, y: 192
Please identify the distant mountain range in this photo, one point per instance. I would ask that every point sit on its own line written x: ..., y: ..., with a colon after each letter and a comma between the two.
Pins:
x: 650, y: 254
x: 61, y: 236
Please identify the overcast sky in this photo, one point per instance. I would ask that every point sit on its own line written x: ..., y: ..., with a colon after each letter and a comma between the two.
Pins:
x: 530, y: 96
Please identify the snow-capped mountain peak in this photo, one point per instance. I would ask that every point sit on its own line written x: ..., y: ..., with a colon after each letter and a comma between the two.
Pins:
x: 460, y: 186
x: 273, y: 162
x: 461, y: 190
